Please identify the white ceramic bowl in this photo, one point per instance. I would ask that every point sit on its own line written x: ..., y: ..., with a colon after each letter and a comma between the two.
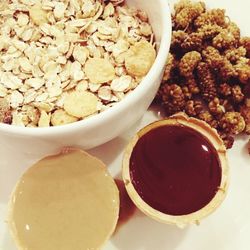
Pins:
x: 107, y: 125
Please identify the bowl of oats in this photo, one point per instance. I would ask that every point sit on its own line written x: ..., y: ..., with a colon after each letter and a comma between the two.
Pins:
x: 78, y: 72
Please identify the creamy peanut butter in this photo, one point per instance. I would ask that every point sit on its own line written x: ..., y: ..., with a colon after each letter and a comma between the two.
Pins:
x: 64, y: 202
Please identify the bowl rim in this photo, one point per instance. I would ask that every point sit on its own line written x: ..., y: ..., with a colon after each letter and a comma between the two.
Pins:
x: 117, y: 108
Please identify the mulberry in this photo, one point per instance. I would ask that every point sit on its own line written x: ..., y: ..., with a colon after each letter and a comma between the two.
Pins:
x: 178, y: 38
x: 227, y: 71
x: 243, y: 69
x: 215, y: 107
x: 207, y: 82
x: 186, y: 13
x: 213, y: 58
x: 170, y: 64
x: 189, y: 62
x: 234, y: 30
x: 232, y: 123
x: 245, y: 112
x: 245, y: 42
x: 237, y: 94
x: 192, y: 85
x: 186, y: 92
x: 227, y: 139
x: 234, y: 54
x: 182, y: 4
x: 193, y: 108
x: 209, y: 30
x: 224, y: 40
x: 214, y: 16
x: 192, y: 42
x: 228, y: 37
x: 218, y: 63
x: 228, y: 106
x: 224, y: 89
x: 208, y: 118
x: 173, y: 99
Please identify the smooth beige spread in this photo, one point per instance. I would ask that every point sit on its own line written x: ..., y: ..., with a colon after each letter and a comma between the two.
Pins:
x: 64, y: 202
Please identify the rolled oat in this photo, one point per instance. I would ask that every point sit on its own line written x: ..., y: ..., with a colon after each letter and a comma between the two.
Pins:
x: 62, y: 61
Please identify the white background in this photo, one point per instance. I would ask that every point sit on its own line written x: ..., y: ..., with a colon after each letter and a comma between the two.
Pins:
x: 226, y: 229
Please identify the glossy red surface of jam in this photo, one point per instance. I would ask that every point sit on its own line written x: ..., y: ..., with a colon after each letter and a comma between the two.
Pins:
x: 175, y: 169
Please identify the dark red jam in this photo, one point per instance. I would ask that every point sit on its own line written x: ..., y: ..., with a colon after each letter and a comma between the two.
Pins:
x: 175, y: 169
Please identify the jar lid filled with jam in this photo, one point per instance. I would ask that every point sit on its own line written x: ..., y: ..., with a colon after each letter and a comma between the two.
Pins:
x: 175, y: 170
